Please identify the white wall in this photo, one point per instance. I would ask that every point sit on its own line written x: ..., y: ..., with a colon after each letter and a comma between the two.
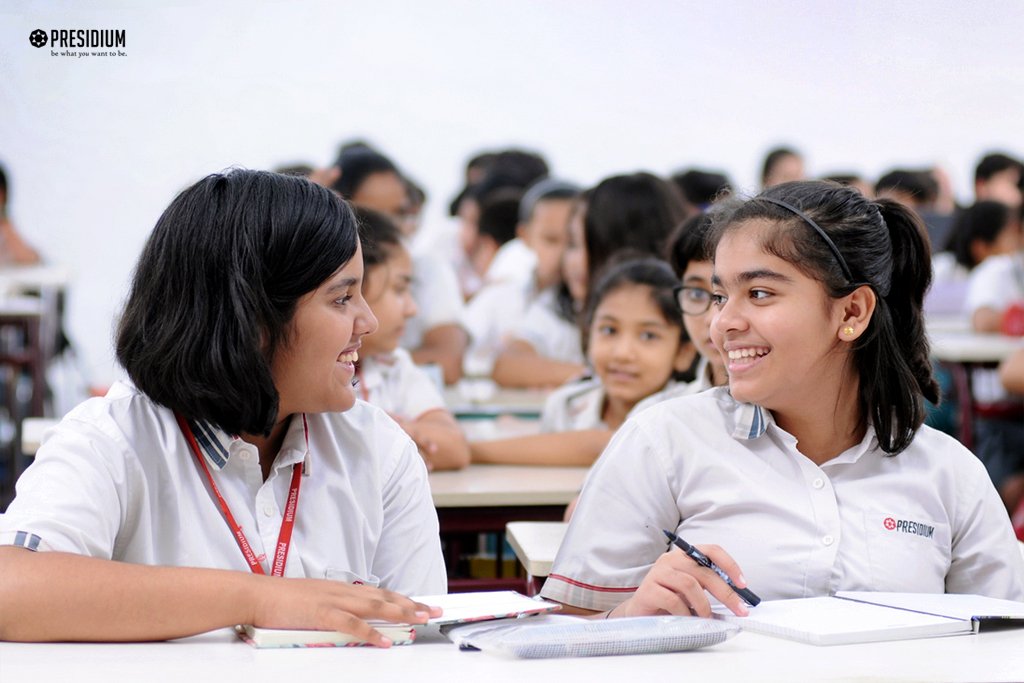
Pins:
x: 95, y: 148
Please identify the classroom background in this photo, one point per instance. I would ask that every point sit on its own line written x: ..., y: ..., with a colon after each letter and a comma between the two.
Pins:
x: 96, y: 147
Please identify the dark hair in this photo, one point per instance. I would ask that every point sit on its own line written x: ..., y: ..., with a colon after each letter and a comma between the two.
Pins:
x: 996, y: 162
x: 378, y: 234
x: 983, y: 221
x: 689, y: 242
x: 636, y: 211
x: 3, y: 180
x: 919, y: 185
x: 499, y: 215
x: 478, y: 162
x: 772, y: 159
x: 645, y: 271
x: 215, y: 289
x: 357, y: 163
x: 701, y: 188
x: 885, y: 246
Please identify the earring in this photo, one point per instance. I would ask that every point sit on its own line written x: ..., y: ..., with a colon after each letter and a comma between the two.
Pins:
x: 848, y: 330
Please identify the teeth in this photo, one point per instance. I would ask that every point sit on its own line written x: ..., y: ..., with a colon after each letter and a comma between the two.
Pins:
x: 737, y: 354
x: 351, y: 357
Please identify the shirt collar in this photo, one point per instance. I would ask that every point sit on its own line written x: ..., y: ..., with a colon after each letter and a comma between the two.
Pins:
x: 217, y: 445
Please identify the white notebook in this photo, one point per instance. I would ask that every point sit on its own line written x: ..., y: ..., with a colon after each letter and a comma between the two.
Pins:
x: 864, y: 617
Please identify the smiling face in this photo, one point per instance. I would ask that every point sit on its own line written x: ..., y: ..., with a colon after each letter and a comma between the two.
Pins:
x: 698, y: 327
x: 777, y: 328
x: 313, y: 370
x: 389, y: 293
x: 632, y: 347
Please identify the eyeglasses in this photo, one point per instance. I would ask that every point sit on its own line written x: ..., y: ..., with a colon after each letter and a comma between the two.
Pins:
x: 693, y: 300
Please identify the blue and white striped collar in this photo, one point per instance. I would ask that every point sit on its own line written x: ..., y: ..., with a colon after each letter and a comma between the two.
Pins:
x: 749, y: 420
x: 216, y: 444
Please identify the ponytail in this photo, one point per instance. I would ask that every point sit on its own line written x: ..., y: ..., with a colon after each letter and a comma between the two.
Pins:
x: 893, y: 357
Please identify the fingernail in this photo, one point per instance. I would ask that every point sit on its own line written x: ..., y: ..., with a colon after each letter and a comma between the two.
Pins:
x: 744, y: 612
x: 743, y: 581
x: 385, y: 642
x: 423, y: 615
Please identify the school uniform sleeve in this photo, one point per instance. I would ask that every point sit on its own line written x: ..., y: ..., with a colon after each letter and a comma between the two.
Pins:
x: 408, y: 559
x: 615, y: 534
x: 993, y: 285
x: 415, y: 391
x: 985, y: 557
x: 549, y: 334
x: 74, y: 498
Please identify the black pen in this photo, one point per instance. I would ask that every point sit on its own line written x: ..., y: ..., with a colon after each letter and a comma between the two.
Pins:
x: 702, y: 559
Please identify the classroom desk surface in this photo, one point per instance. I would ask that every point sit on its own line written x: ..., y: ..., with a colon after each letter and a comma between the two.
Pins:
x: 536, y: 544
x: 506, y: 486
x: 220, y: 656
x: 484, y: 398
x: 972, y: 347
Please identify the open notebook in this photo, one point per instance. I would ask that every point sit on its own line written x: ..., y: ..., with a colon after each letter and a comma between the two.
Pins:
x: 863, y: 617
x: 458, y: 608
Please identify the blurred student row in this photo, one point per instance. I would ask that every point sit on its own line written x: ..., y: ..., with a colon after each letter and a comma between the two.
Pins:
x: 603, y: 295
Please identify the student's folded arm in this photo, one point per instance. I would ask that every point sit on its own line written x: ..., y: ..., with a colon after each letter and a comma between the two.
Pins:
x: 520, y: 366
x: 580, y: 447
x: 51, y: 596
x: 440, y: 439
x: 445, y: 346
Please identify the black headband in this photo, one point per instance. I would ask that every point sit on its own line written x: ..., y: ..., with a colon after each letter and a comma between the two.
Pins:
x: 817, y: 228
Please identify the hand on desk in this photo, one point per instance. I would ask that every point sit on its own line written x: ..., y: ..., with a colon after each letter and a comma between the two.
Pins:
x: 676, y: 585
x: 327, y: 605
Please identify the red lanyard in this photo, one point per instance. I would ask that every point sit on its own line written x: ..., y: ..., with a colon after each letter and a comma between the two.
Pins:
x: 287, y: 524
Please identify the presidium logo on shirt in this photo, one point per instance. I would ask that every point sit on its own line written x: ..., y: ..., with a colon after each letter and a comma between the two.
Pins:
x: 908, y: 527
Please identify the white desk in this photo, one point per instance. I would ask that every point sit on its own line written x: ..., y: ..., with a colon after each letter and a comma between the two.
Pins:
x: 536, y: 544
x: 219, y: 656
x: 506, y: 486
x: 972, y: 347
x: 484, y: 398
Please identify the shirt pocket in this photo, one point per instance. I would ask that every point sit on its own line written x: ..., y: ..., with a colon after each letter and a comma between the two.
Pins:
x: 351, y: 577
x: 907, y: 552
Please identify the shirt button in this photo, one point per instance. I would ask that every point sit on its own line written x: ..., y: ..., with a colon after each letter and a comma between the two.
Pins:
x: 268, y: 510
x: 818, y: 483
x: 244, y: 455
x: 828, y: 540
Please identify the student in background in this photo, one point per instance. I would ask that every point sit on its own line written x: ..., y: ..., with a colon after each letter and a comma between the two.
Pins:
x: 637, y: 212
x: 435, y: 335
x: 999, y: 177
x: 994, y: 287
x: 499, y: 217
x: 13, y: 247
x: 803, y: 466
x: 700, y: 189
x: 386, y: 375
x: 157, y: 511
x: 495, y: 310
x: 782, y: 165
x: 689, y: 253
x: 985, y: 229
x: 637, y: 348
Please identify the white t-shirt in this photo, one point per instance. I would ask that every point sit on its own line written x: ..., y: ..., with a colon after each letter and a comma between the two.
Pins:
x: 435, y: 289
x: 579, y: 404
x: 116, y: 480
x: 395, y: 384
x: 717, y: 471
x: 551, y: 335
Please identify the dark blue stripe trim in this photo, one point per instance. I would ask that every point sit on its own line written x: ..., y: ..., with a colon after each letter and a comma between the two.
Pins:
x: 210, y: 444
x: 24, y: 539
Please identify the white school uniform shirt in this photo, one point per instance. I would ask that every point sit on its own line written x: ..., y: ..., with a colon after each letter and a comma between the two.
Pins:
x: 718, y: 471
x: 491, y: 318
x: 513, y: 262
x: 997, y: 282
x: 115, y: 479
x: 395, y: 384
x: 551, y: 335
x: 435, y: 289
x: 579, y: 404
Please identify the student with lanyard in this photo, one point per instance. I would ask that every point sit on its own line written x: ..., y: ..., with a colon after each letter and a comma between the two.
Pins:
x: 238, y: 449
x: 811, y: 472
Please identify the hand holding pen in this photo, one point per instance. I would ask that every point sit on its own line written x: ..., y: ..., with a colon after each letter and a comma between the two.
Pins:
x: 700, y: 558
